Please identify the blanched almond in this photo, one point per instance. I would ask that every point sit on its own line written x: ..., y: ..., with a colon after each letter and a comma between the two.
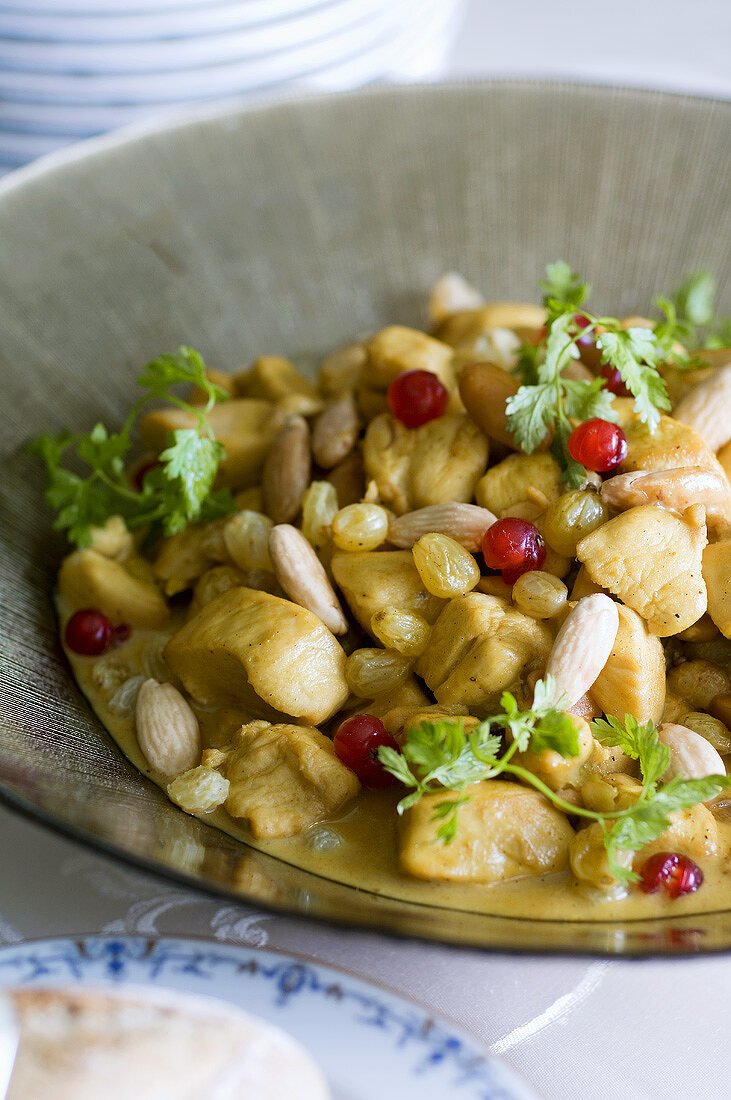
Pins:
x: 465, y: 523
x: 335, y: 432
x: 302, y: 576
x: 583, y: 645
x: 167, y: 729
x: 691, y: 756
x: 677, y: 490
x: 450, y: 294
x: 287, y: 470
x: 707, y: 409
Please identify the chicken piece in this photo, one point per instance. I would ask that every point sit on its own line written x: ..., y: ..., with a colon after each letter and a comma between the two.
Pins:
x: 669, y: 447
x: 633, y: 679
x: 284, y: 778
x: 651, y: 560
x: 478, y: 647
x: 399, y: 720
x: 271, y: 377
x: 507, y: 484
x: 89, y: 579
x: 557, y: 771
x: 392, y: 351
x: 373, y: 579
x: 468, y: 325
x: 249, y: 647
x: 692, y: 832
x: 245, y: 426
x: 113, y: 540
x: 505, y: 831
x: 183, y: 558
x: 437, y: 463
x: 675, y: 490
x: 717, y: 575
x: 222, y: 577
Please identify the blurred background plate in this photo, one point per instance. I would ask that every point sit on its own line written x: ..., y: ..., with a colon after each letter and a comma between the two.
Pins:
x: 386, y: 1046
x: 285, y: 229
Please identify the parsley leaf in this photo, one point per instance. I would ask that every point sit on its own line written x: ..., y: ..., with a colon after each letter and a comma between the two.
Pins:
x: 695, y: 298
x: 563, y: 285
x: 641, y: 742
x: 635, y: 354
x: 178, y: 491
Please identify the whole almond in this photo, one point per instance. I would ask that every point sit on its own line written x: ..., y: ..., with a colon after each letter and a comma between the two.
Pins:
x: 707, y: 409
x: 167, y: 729
x: 691, y: 756
x: 287, y: 470
x: 465, y: 523
x: 677, y: 490
x: 582, y: 646
x: 335, y: 432
x: 484, y: 389
x: 302, y: 576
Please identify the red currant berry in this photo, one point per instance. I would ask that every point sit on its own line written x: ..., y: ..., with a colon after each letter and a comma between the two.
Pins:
x: 676, y: 875
x: 416, y: 397
x: 121, y: 634
x: 139, y: 475
x: 513, y: 546
x: 88, y: 632
x: 598, y: 444
x: 356, y: 742
x: 585, y: 340
x: 613, y: 381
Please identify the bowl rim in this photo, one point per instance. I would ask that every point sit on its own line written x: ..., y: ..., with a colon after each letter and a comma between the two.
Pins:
x: 171, y: 121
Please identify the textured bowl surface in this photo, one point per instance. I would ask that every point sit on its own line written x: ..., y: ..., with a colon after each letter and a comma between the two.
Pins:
x: 287, y: 229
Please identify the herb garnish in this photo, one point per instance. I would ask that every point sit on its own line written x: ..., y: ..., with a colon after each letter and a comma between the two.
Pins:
x: 175, y: 492
x: 548, y: 402
x: 439, y: 755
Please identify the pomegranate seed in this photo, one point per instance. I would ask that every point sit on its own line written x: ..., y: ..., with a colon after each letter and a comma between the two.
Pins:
x: 88, y: 632
x: 613, y: 381
x: 598, y: 444
x: 416, y: 397
x: 139, y: 476
x: 356, y: 742
x: 676, y: 875
x: 513, y: 546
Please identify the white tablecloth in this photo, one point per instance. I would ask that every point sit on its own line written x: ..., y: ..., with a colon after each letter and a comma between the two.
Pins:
x: 576, y: 1030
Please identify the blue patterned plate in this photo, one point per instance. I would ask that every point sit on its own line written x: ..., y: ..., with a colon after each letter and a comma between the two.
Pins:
x: 369, y: 1042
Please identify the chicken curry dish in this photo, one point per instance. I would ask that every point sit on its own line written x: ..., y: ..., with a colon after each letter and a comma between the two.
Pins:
x: 449, y: 620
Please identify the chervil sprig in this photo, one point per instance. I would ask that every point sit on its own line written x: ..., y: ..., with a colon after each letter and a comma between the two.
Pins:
x: 441, y: 756
x: 177, y: 491
x: 548, y: 402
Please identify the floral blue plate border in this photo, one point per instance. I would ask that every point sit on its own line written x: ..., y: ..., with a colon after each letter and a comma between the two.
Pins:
x: 369, y: 1041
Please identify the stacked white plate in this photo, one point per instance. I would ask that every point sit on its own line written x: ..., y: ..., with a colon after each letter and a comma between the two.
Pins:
x: 73, y: 68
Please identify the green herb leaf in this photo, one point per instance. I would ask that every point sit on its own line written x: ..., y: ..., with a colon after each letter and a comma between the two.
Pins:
x: 695, y: 298
x: 563, y: 285
x: 635, y: 354
x: 641, y: 742
x: 177, y: 492
x: 447, y: 812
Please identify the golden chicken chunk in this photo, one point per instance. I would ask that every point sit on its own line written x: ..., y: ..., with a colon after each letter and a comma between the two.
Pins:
x: 717, y: 575
x: 468, y: 325
x: 478, y: 647
x: 670, y: 446
x: 505, y: 831
x: 507, y: 484
x: 392, y: 351
x: 251, y: 648
x: 271, y: 377
x: 633, y: 679
x: 371, y: 580
x: 245, y: 426
x: 89, y: 579
x: 284, y: 778
x: 692, y: 832
x: 184, y: 557
x: 558, y: 771
x: 651, y: 560
x: 437, y: 463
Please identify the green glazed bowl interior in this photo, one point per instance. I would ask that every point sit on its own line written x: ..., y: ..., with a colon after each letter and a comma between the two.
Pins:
x: 288, y: 229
